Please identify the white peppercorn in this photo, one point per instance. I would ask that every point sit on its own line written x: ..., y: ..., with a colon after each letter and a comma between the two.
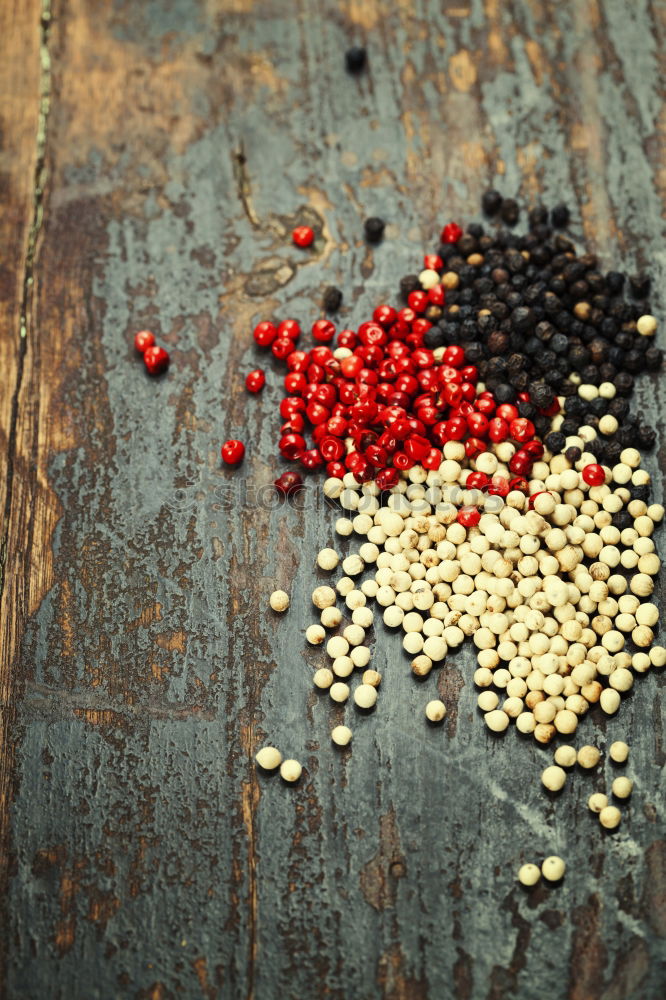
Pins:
x: 290, y: 770
x: 339, y: 691
x: 365, y: 696
x: 553, y: 868
x: 279, y: 601
x: 622, y: 787
x: 553, y: 778
x: 610, y: 817
x: 435, y: 710
x: 268, y: 758
x: 341, y: 736
x: 597, y: 801
x: 529, y: 874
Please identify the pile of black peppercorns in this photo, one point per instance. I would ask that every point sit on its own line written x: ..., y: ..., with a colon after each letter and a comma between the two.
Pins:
x: 530, y: 312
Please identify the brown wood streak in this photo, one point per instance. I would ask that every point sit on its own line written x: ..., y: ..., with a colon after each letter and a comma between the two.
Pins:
x: 20, y: 35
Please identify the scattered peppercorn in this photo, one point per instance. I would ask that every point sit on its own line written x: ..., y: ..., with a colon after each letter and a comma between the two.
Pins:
x: 143, y: 340
x: 332, y: 299
x: 233, y: 451
x: 156, y: 360
x: 355, y: 59
x: 374, y: 229
x: 303, y: 236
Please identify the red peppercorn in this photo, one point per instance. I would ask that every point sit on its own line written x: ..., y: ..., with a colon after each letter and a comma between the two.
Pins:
x: 451, y: 233
x: 233, y: 451
x: 594, y: 475
x: 499, y: 486
x: 387, y: 478
x: 323, y: 330
x: 335, y: 469
x: 507, y: 411
x: 469, y: 517
x: 433, y: 459
x: 303, y: 236
x: 433, y: 262
x: 289, y: 328
x: 288, y: 483
x: 143, y: 340
x: 156, y: 360
x: 477, y: 481
x: 282, y: 347
x: 521, y: 429
x: 418, y: 301
x: 436, y: 295
x: 291, y: 446
x: 255, y: 380
x: 498, y: 429
x: 331, y: 448
x: 385, y: 315
x: 294, y: 382
x: 264, y: 333
x: 311, y: 459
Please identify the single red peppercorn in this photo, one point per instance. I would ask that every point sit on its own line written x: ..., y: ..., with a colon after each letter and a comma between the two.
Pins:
x: 323, y: 330
x: 335, y: 469
x: 387, y: 478
x: 156, y: 360
x: 282, y: 348
x: 143, y: 340
x: 507, y: 411
x: 288, y: 483
x: 233, y: 451
x: 418, y: 301
x: 303, y: 236
x: 499, y: 486
x: 477, y: 481
x: 433, y: 262
x: 469, y: 517
x: 451, y: 233
x: 519, y: 483
x: 521, y: 429
x: 498, y: 429
x: 433, y: 459
x: 594, y: 474
x: 291, y: 446
x: 264, y: 333
x: 436, y: 295
x: 255, y: 380
x: 289, y: 328
x: 311, y: 459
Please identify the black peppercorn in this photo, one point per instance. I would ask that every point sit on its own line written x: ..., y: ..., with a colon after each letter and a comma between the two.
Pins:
x: 573, y: 454
x: 491, y: 202
x: 410, y: 283
x: 569, y: 427
x: 374, y: 229
x: 640, y: 285
x: 646, y: 436
x: 510, y: 211
x: 434, y: 337
x: 621, y: 519
x: 355, y: 59
x: 332, y: 299
x: 614, y: 282
x: 640, y: 492
x: 505, y: 393
x: 559, y: 216
x: 555, y: 442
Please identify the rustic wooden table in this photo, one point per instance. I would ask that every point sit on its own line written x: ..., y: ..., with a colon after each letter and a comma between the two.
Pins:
x: 154, y: 156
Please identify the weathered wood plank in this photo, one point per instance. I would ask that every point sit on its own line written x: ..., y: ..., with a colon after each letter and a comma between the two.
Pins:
x: 148, y: 858
x: 23, y: 98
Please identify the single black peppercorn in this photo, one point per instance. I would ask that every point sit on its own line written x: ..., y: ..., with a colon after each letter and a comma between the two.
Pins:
x: 555, y: 442
x: 621, y: 520
x: 374, y: 229
x: 410, y: 283
x: 491, y: 202
x: 646, y: 436
x: 559, y: 216
x: 573, y: 454
x: 538, y: 216
x: 614, y: 282
x: 640, y: 285
x: 435, y: 337
x: 510, y: 211
x: 505, y: 393
x: 332, y: 299
x: 355, y: 59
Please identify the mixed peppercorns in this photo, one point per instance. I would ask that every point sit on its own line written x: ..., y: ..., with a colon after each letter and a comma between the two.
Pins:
x: 480, y: 442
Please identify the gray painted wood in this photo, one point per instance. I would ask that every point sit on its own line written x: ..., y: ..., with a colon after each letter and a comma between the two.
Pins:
x: 147, y: 858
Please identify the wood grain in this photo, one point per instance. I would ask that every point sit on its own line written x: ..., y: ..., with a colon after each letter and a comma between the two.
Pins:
x: 143, y: 856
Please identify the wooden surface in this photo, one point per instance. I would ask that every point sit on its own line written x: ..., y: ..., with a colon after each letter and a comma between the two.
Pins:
x: 154, y: 155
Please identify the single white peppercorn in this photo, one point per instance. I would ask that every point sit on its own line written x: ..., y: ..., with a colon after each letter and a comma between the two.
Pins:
x: 622, y: 787
x: 619, y: 751
x: 327, y: 559
x: 529, y: 874
x: 269, y: 758
x: 341, y: 736
x: 323, y: 597
x: 435, y: 710
x: 339, y: 691
x: 565, y: 756
x: 553, y: 868
x: 360, y: 656
x: 279, y: 601
x: 336, y: 646
x: 323, y: 678
x: 290, y: 770
x: 497, y: 720
x: 331, y: 617
x: 315, y: 634
x: 365, y: 696
x: 597, y: 801
x: 610, y: 817
x: 646, y: 325
x: 372, y: 677
x: 588, y: 757
x: 553, y: 778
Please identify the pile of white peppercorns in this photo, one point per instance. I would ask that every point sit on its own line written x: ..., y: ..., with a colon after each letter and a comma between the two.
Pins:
x: 554, y: 596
